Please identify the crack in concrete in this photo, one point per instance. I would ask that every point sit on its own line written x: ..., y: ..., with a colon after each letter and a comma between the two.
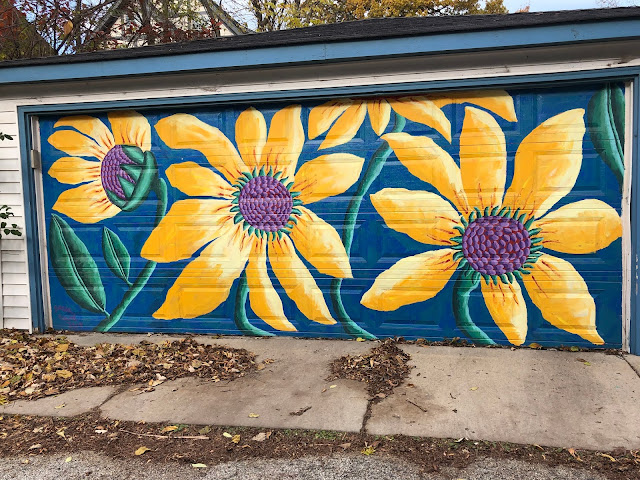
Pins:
x: 117, y: 391
x: 624, y: 357
x: 367, y: 414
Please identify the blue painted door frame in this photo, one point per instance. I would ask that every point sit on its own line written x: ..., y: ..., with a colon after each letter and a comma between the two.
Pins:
x: 28, y: 112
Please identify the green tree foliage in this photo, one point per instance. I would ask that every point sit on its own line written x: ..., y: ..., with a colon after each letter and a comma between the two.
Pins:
x: 280, y: 14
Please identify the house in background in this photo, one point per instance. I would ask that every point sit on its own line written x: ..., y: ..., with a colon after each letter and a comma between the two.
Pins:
x: 124, y: 22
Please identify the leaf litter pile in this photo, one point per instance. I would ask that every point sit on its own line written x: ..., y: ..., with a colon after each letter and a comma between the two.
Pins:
x: 202, y: 446
x: 384, y: 368
x: 34, y: 367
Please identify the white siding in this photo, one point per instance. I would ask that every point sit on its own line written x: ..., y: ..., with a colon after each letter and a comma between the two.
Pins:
x: 495, y: 64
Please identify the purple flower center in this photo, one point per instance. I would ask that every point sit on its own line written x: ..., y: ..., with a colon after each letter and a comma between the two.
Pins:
x: 111, y: 169
x: 265, y: 203
x: 496, y: 245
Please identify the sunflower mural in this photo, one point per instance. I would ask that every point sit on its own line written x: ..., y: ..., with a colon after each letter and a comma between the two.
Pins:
x: 104, y: 179
x: 344, y: 117
x: 496, y: 238
x: 256, y: 208
x: 253, y: 224
x: 120, y: 176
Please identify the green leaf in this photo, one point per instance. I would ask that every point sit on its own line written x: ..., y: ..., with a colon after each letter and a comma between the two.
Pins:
x: 75, y: 268
x: 115, y: 254
x: 606, y: 117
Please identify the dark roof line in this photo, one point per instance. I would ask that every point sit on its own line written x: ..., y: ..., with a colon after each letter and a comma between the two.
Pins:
x: 371, y: 29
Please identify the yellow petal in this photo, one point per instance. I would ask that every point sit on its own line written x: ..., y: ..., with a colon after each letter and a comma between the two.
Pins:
x: 131, y: 128
x: 263, y: 298
x: 296, y: 280
x: 424, y: 216
x: 483, y: 159
x: 90, y: 126
x: 422, y: 110
x: 197, y: 181
x: 322, y: 116
x: 379, y: 114
x: 188, y: 225
x: 205, y: 283
x: 497, y: 101
x: 285, y: 141
x: 186, y: 131
x: 508, y: 309
x: 431, y: 164
x: 547, y: 163
x: 411, y: 280
x: 327, y: 175
x: 74, y: 143
x: 87, y: 203
x: 74, y: 170
x: 320, y: 244
x: 346, y: 127
x: 580, y: 227
x: 251, y: 135
x: 562, y: 296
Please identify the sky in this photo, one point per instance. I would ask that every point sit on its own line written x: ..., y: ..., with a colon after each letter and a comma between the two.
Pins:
x: 547, y: 5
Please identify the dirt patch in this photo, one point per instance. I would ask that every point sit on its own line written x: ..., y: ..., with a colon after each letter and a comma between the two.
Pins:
x: 25, y: 436
x: 382, y: 369
x: 33, y: 367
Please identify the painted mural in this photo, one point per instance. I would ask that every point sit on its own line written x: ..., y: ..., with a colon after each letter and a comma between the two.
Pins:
x: 492, y: 216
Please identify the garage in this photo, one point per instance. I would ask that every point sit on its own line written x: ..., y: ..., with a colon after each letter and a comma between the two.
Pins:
x: 368, y: 197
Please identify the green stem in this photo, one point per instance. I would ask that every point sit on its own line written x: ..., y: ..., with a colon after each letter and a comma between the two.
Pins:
x: 461, y: 291
x: 373, y: 170
x: 160, y: 188
x: 240, y: 316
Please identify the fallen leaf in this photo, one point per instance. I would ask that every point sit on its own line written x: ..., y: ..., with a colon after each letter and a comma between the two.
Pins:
x: 368, y: 450
x: 101, y: 431
x: 236, y: 439
x: 574, y: 349
x: 36, y: 446
x: 67, y: 460
x: 63, y: 347
x: 333, y: 386
x: 198, y: 465
x: 142, y: 450
x: 64, y: 374
x: 607, y: 456
x: 261, y: 366
x: 572, y: 452
x: 204, y: 430
x: 473, y: 389
x: 227, y: 435
x: 344, y: 446
x: 261, y: 437
x: 360, y: 339
x: 170, y: 428
x: 62, y: 405
x: 535, y: 346
x: 254, y: 415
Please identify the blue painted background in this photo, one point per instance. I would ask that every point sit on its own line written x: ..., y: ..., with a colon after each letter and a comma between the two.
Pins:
x: 375, y: 247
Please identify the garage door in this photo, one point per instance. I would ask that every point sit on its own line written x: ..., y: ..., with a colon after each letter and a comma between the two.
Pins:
x: 490, y: 216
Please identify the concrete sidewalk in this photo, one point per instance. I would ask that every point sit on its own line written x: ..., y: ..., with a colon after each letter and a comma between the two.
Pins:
x: 564, y: 399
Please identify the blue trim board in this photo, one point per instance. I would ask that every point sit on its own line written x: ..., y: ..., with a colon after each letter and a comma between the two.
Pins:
x: 328, y: 52
x: 26, y: 112
x: 31, y: 223
x: 616, y: 74
x: 634, y: 333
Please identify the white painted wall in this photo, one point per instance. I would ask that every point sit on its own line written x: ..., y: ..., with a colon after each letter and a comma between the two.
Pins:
x: 15, y: 281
